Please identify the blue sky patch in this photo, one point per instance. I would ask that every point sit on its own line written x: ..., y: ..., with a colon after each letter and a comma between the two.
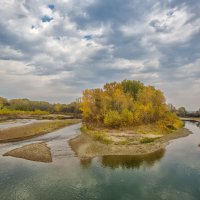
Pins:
x: 88, y: 37
x: 51, y: 6
x: 46, y: 18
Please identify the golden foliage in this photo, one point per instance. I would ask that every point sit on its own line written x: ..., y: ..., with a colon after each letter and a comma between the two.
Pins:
x: 126, y: 104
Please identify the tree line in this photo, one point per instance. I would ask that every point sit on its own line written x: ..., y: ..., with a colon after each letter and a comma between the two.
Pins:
x: 183, y: 112
x: 126, y: 104
x: 28, y: 105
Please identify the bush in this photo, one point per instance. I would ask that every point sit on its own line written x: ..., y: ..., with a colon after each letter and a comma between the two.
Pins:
x: 5, y: 111
x: 126, y: 118
x: 112, y: 119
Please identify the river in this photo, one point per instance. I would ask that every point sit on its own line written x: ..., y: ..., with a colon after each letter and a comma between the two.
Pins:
x: 171, y: 174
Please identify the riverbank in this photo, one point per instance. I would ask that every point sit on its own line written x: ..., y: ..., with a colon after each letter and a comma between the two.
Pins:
x: 39, y: 152
x: 86, y: 146
x: 191, y: 119
x: 32, y: 130
x: 6, y: 117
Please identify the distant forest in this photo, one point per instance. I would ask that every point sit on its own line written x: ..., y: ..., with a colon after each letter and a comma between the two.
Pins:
x: 43, y: 107
x: 37, y: 107
x: 183, y: 112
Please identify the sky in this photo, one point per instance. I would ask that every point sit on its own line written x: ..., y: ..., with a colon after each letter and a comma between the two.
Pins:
x: 53, y: 50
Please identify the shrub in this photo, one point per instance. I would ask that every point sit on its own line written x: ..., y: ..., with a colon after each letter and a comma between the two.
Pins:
x: 112, y: 119
x: 126, y: 118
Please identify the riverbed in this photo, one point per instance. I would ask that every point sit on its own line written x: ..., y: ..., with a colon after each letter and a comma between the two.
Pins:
x: 173, y: 173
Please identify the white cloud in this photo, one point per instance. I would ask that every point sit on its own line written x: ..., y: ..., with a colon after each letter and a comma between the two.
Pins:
x: 80, y: 48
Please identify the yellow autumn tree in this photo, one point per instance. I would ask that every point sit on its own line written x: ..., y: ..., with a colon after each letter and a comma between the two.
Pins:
x: 126, y: 104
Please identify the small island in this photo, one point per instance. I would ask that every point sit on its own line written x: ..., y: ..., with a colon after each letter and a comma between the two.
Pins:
x: 125, y: 118
x: 39, y: 152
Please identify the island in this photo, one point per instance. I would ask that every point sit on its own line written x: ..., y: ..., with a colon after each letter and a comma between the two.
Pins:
x: 39, y: 152
x: 125, y: 118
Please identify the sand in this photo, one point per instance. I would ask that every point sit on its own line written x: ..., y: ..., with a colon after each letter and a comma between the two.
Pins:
x: 86, y: 147
x: 33, y: 130
x: 39, y: 152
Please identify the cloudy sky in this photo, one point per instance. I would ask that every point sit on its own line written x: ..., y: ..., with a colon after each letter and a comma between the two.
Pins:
x: 52, y: 50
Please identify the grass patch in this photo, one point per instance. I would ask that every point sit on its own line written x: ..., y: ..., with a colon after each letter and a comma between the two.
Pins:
x: 124, y: 142
x: 32, y: 130
x: 150, y: 129
x: 147, y: 140
x: 158, y: 128
x: 97, y: 135
x: 171, y: 127
x: 20, y: 112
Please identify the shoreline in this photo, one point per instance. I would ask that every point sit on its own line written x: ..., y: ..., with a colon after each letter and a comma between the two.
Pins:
x: 7, y: 117
x: 190, y: 119
x: 85, y: 146
x: 29, y: 131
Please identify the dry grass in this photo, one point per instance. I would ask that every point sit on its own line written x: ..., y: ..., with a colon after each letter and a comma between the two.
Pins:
x: 86, y: 146
x: 97, y: 135
x: 139, y: 134
x: 32, y: 130
x: 21, y: 112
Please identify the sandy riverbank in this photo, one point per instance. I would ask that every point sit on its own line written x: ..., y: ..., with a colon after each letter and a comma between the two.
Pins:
x: 39, y: 152
x: 86, y: 147
x: 6, y: 117
x: 32, y: 130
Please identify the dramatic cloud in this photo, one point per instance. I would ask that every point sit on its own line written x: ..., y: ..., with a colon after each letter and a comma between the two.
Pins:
x: 52, y: 50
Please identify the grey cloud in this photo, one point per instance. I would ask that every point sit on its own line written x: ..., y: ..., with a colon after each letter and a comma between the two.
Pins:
x: 68, y: 46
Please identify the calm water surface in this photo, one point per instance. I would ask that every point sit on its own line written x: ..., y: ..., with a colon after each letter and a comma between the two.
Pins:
x: 171, y: 174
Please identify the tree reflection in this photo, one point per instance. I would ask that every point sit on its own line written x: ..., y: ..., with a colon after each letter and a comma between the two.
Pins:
x: 128, y: 161
x: 85, y: 162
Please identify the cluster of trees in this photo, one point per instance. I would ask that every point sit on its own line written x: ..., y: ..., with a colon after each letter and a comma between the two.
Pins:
x: 182, y: 112
x: 28, y: 105
x: 125, y: 104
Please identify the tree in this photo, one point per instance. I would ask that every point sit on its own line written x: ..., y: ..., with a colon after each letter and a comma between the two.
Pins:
x: 171, y: 108
x: 112, y: 119
x: 3, y: 102
x: 182, y: 112
x: 132, y: 87
x: 124, y: 104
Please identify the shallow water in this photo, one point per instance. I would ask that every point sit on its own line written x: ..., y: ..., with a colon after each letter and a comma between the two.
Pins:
x: 172, y: 174
x: 16, y: 122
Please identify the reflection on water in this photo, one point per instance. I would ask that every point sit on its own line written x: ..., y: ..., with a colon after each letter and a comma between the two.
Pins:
x: 198, y: 124
x: 164, y: 175
x: 85, y: 162
x: 128, y: 161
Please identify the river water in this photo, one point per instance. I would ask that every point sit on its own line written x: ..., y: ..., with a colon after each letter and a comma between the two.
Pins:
x: 171, y: 174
